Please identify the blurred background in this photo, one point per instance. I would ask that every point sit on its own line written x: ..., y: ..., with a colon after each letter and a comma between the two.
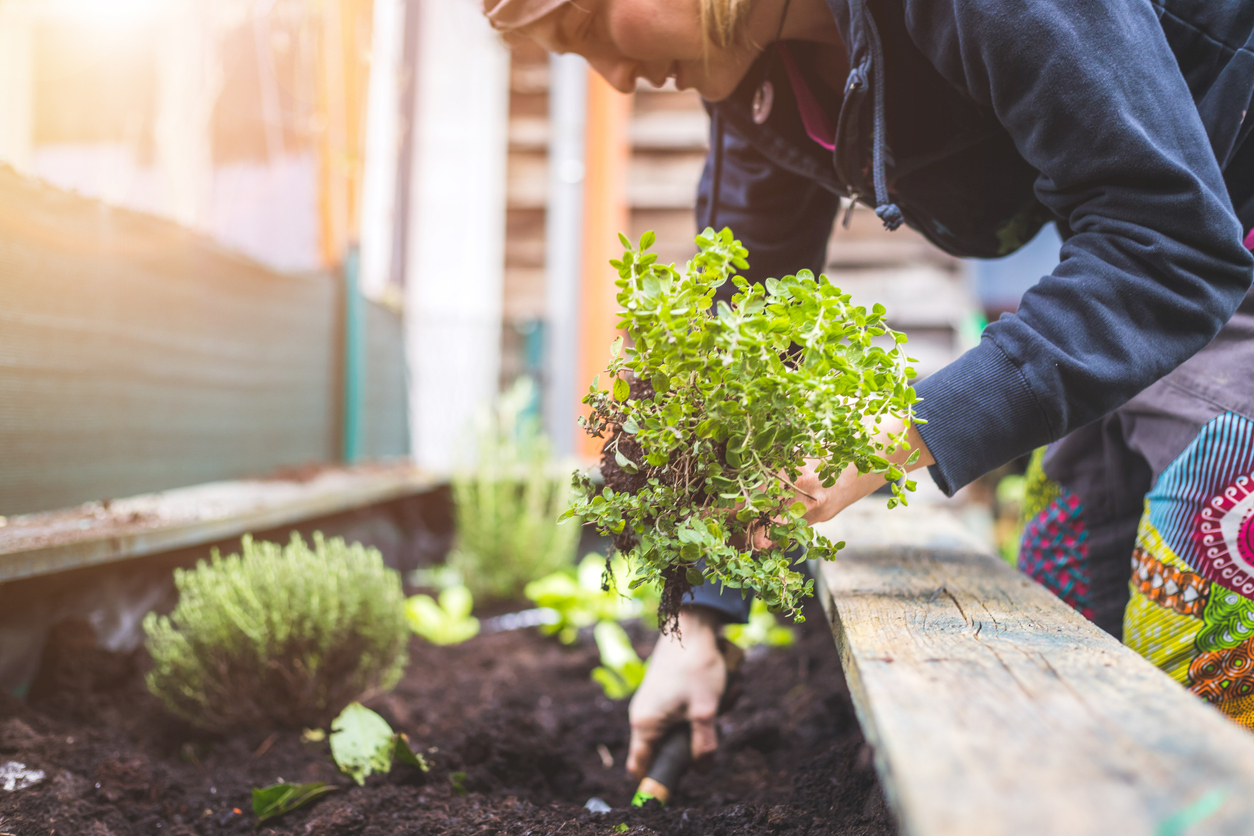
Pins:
x: 244, y: 235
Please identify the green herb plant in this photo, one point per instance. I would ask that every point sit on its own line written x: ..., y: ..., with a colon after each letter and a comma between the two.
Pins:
x: 447, y: 621
x: 595, y: 592
x: 363, y: 743
x: 621, y: 670
x: 278, y: 635
x: 506, y: 506
x: 713, y: 409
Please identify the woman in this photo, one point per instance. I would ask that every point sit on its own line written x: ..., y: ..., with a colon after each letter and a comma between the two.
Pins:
x: 975, y: 123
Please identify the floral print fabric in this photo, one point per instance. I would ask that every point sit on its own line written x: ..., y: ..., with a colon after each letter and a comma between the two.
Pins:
x: 1191, y: 610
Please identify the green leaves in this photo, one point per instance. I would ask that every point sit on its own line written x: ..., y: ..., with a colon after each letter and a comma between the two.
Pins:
x: 621, y: 670
x: 277, y: 799
x: 363, y: 743
x: 448, y: 622
x: 761, y: 629
x: 742, y: 393
x: 596, y: 592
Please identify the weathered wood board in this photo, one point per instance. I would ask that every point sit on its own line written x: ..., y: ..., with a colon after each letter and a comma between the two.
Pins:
x: 994, y: 708
x: 56, y: 541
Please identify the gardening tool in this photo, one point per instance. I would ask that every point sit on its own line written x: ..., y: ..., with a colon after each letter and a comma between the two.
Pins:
x: 674, y: 754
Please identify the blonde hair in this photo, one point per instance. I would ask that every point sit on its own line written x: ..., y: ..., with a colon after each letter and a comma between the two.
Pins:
x: 723, y: 21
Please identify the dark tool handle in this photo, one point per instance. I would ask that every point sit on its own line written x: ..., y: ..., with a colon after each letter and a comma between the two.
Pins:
x: 674, y: 754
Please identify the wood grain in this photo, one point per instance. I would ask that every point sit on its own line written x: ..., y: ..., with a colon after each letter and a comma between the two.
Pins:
x: 993, y: 708
x: 95, y: 533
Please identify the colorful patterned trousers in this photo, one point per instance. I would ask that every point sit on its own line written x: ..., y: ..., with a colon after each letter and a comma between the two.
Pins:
x: 1190, y: 598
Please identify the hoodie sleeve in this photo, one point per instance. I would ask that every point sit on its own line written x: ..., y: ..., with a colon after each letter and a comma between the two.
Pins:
x: 1093, y: 99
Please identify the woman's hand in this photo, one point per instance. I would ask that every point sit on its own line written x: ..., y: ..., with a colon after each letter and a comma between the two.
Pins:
x: 685, y: 681
x: 824, y: 503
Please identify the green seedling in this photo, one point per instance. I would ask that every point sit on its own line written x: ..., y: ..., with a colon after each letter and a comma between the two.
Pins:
x: 621, y: 670
x: 506, y: 504
x: 594, y: 592
x: 275, y: 800
x: 713, y: 410
x: 363, y: 743
x: 447, y: 622
x: 762, y: 629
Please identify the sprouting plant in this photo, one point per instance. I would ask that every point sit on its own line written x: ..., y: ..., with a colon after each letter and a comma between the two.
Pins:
x: 275, y: 800
x: 595, y: 592
x: 621, y: 671
x: 713, y: 409
x: 363, y: 743
x: 761, y: 629
x: 507, y: 505
x: 447, y: 622
x: 279, y: 635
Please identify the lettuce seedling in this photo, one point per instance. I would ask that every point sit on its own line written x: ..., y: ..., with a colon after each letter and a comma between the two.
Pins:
x: 597, y: 591
x: 621, y: 670
x: 446, y: 622
x: 714, y: 408
x: 761, y: 629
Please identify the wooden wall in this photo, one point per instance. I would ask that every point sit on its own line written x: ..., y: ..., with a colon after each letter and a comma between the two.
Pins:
x: 136, y: 356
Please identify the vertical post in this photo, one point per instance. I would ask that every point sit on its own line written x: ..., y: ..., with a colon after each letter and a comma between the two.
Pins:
x: 606, y: 214
x: 455, y: 256
x: 333, y: 203
x: 354, y: 359
x: 382, y: 146
x: 563, y: 232
x: 188, y: 83
x: 17, y: 85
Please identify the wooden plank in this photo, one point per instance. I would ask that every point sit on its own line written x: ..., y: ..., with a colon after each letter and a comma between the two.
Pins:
x: 45, y: 543
x: 993, y: 708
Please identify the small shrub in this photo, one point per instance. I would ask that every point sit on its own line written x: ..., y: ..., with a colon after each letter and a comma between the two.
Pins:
x: 280, y: 636
x: 713, y: 409
x: 507, y: 506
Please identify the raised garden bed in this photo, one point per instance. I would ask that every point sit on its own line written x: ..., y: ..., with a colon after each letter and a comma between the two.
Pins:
x: 513, y: 711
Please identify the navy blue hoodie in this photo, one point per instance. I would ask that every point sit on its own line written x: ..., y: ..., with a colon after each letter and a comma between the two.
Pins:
x: 978, y: 121
x: 1125, y: 123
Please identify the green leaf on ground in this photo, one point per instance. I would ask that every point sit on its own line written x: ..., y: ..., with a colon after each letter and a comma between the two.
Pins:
x: 404, y: 752
x: 277, y: 799
x: 361, y: 742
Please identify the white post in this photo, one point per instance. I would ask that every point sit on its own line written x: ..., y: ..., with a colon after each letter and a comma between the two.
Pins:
x: 383, y: 146
x: 17, y: 85
x: 563, y: 232
x: 189, y: 78
x: 456, y: 253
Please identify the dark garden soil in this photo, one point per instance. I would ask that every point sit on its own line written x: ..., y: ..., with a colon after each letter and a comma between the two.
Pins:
x: 514, y: 712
